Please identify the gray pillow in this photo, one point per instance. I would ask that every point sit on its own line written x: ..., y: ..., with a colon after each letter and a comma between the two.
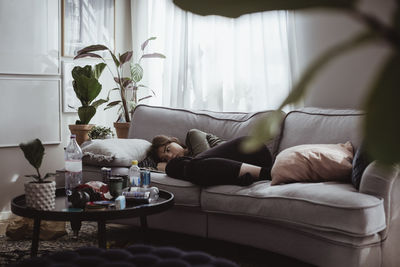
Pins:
x: 114, y: 152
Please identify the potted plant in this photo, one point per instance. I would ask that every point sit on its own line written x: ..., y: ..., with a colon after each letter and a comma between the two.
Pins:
x: 39, y: 194
x: 100, y: 132
x: 123, y: 83
x: 87, y: 88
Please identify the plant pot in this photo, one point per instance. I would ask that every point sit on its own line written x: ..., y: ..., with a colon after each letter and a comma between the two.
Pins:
x: 40, y: 196
x: 122, y: 129
x: 81, y: 131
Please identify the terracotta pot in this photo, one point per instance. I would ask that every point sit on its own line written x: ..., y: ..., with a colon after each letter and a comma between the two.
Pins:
x: 40, y: 196
x: 122, y: 129
x: 81, y: 131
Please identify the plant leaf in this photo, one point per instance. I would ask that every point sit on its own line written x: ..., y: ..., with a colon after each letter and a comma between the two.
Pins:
x: 265, y: 129
x: 315, y: 67
x: 125, y: 57
x: 86, y: 113
x: 236, y: 8
x: 381, y: 125
x: 33, y: 176
x: 88, y: 55
x: 49, y: 174
x: 143, y: 98
x: 99, y: 102
x: 116, y: 62
x: 126, y: 82
x: 92, y: 48
x: 86, y: 89
x: 136, y: 72
x: 112, y: 104
x: 145, y: 43
x: 33, y: 152
x: 98, y: 69
x: 153, y: 55
x: 72, y: 107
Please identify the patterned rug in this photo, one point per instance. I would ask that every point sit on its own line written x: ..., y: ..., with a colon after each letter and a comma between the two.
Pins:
x: 119, y: 236
x: 12, y: 251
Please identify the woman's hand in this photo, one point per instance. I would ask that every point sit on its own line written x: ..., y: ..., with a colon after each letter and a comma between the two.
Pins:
x: 161, y: 166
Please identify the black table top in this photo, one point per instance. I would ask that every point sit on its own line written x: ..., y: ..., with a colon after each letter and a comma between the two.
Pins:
x: 63, y: 213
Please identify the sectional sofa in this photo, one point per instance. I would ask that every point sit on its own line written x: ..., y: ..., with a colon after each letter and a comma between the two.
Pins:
x: 322, y: 223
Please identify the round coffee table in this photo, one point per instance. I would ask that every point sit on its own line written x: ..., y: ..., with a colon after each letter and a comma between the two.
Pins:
x: 76, y: 216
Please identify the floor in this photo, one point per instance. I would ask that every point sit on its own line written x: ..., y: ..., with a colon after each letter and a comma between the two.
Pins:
x: 119, y: 236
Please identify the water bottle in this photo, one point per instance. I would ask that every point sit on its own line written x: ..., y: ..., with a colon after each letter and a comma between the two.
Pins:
x: 73, y: 166
x: 153, y: 193
x: 134, y: 174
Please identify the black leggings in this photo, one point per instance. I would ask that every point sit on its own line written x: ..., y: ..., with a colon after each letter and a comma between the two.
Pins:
x: 220, y: 165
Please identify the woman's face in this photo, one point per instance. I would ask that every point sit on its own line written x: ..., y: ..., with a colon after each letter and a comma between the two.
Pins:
x: 170, y: 151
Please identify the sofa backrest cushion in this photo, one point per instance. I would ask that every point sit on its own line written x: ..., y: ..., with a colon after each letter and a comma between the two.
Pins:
x: 149, y: 121
x: 320, y: 126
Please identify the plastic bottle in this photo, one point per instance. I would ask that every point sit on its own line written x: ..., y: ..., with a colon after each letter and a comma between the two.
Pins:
x: 73, y: 166
x: 134, y: 174
x: 153, y: 193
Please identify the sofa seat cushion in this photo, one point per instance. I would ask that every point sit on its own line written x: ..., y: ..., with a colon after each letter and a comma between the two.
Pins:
x: 325, y: 206
x: 185, y: 193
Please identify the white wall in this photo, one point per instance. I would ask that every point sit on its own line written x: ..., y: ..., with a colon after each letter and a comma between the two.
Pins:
x: 346, y: 80
x: 13, y: 165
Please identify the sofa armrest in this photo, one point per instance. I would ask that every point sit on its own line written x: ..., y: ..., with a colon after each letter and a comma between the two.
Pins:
x: 383, y: 182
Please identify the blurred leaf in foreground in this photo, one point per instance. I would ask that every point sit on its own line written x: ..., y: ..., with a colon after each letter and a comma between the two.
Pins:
x: 382, y: 123
x: 236, y: 8
x: 264, y: 130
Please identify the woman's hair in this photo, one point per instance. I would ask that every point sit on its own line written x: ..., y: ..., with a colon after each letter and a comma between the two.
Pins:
x: 159, y: 141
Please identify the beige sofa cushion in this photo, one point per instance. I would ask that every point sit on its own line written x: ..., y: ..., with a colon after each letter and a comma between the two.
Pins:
x: 325, y: 206
x: 313, y: 163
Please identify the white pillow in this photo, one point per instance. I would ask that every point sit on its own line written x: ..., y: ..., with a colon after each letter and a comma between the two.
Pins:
x: 114, y: 152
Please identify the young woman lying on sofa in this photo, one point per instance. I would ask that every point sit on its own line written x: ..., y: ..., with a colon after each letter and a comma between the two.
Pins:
x: 206, y: 160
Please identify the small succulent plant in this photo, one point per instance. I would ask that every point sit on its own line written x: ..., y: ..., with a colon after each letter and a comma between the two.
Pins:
x: 100, y: 132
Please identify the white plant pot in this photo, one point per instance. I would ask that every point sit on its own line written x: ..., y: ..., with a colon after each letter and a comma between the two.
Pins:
x: 40, y: 196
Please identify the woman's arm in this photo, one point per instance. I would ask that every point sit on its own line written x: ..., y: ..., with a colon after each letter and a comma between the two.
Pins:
x: 196, y: 142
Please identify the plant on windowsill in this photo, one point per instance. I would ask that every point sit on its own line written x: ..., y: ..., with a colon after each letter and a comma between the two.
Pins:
x: 124, y: 84
x: 39, y: 194
x: 87, y: 88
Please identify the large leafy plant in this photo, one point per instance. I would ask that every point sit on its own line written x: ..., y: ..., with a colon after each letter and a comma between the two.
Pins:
x: 381, y: 125
x: 87, y: 88
x: 33, y: 152
x: 124, y: 83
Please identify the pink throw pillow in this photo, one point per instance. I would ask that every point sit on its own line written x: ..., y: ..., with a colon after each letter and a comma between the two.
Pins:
x: 313, y: 163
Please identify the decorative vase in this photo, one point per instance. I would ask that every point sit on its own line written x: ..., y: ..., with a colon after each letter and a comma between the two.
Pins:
x: 81, y: 131
x: 122, y: 129
x: 40, y: 196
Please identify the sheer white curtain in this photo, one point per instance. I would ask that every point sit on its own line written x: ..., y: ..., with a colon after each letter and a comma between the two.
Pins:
x: 213, y: 62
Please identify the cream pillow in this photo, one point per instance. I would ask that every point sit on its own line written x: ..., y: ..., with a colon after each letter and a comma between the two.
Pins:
x: 114, y: 152
x: 313, y: 163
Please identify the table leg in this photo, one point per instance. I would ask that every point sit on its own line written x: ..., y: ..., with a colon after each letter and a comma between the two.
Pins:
x: 35, y: 237
x: 76, y: 226
x: 101, y: 234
